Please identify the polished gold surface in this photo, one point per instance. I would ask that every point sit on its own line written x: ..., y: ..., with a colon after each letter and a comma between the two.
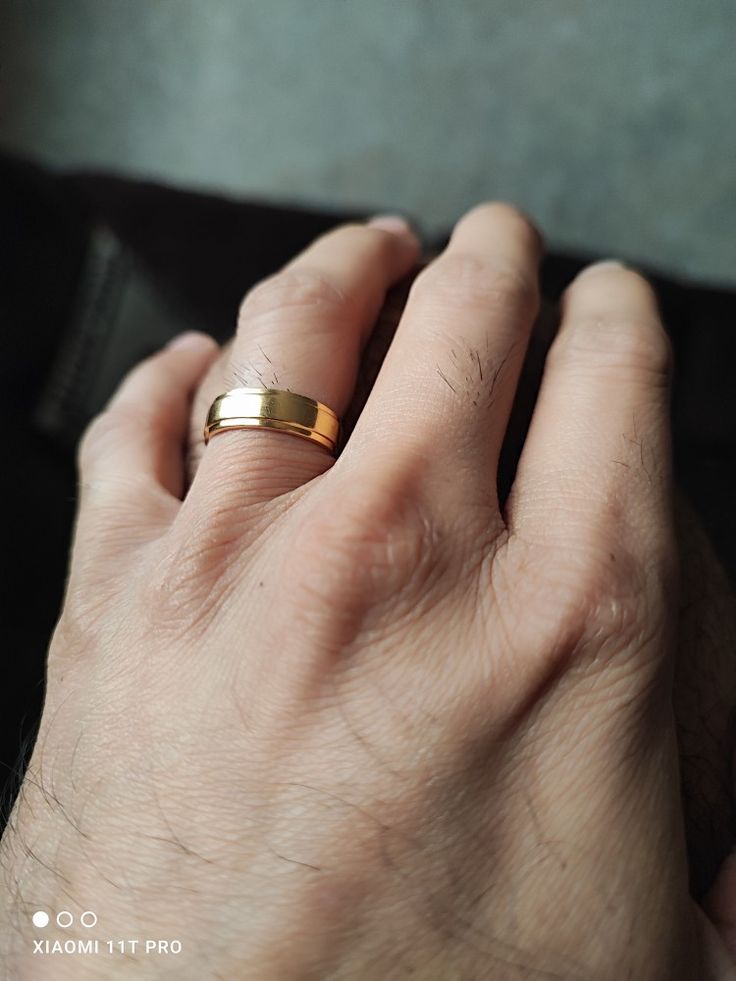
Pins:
x: 273, y: 408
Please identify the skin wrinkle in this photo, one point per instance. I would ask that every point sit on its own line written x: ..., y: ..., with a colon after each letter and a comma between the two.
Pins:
x: 468, y: 281
x: 294, y: 288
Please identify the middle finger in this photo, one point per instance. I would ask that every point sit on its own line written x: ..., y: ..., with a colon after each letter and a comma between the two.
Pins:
x: 446, y: 388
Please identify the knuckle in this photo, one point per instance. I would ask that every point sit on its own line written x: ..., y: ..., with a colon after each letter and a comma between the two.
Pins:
x: 616, y: 341
x: 609, y: 604
x: 607, y: 600
x: 292, y: 289
x: 464, y: 279
x: 591, y: 604
x: 613, y: 316
x: 374, y: 553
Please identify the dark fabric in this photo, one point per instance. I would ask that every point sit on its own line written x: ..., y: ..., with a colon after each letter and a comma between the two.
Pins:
x: 98, y: 271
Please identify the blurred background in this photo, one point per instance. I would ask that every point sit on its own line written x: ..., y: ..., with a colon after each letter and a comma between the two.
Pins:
x: 611, y: 123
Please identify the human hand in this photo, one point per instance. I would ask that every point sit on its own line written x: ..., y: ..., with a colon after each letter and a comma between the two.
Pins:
x: 705, y: 633
x: 353, y: 720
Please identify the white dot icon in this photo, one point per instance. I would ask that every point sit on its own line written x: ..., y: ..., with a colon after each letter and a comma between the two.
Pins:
x: 64, y: 919
x: 88, y: 918
x: 40, y: 918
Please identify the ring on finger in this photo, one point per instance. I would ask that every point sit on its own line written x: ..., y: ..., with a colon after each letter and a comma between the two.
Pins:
x: 273, y: 408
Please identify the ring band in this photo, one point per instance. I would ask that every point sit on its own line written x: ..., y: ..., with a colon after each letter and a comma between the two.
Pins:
x: 273, y: 408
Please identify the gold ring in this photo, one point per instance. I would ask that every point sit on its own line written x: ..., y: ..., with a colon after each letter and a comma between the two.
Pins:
x: 273, y: 408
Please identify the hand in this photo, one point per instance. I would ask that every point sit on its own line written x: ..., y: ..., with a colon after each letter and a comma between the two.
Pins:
x: 355, y: 721
x: 705, y: 633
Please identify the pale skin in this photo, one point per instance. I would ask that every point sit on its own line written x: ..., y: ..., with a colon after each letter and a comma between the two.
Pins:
x: 353, y: 719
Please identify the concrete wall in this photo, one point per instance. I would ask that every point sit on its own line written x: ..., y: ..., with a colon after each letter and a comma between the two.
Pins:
x: 613, y: 123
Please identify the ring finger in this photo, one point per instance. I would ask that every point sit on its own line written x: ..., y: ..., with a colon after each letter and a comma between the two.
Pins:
x: 303, y: 329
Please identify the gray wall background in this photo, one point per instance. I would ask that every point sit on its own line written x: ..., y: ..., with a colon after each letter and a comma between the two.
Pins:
x: 613, y: 124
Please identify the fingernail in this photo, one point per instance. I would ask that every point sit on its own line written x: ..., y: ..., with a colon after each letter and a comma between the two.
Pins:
x: 190, y: 340
x: 396, y: 224
x: 605, y: 265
